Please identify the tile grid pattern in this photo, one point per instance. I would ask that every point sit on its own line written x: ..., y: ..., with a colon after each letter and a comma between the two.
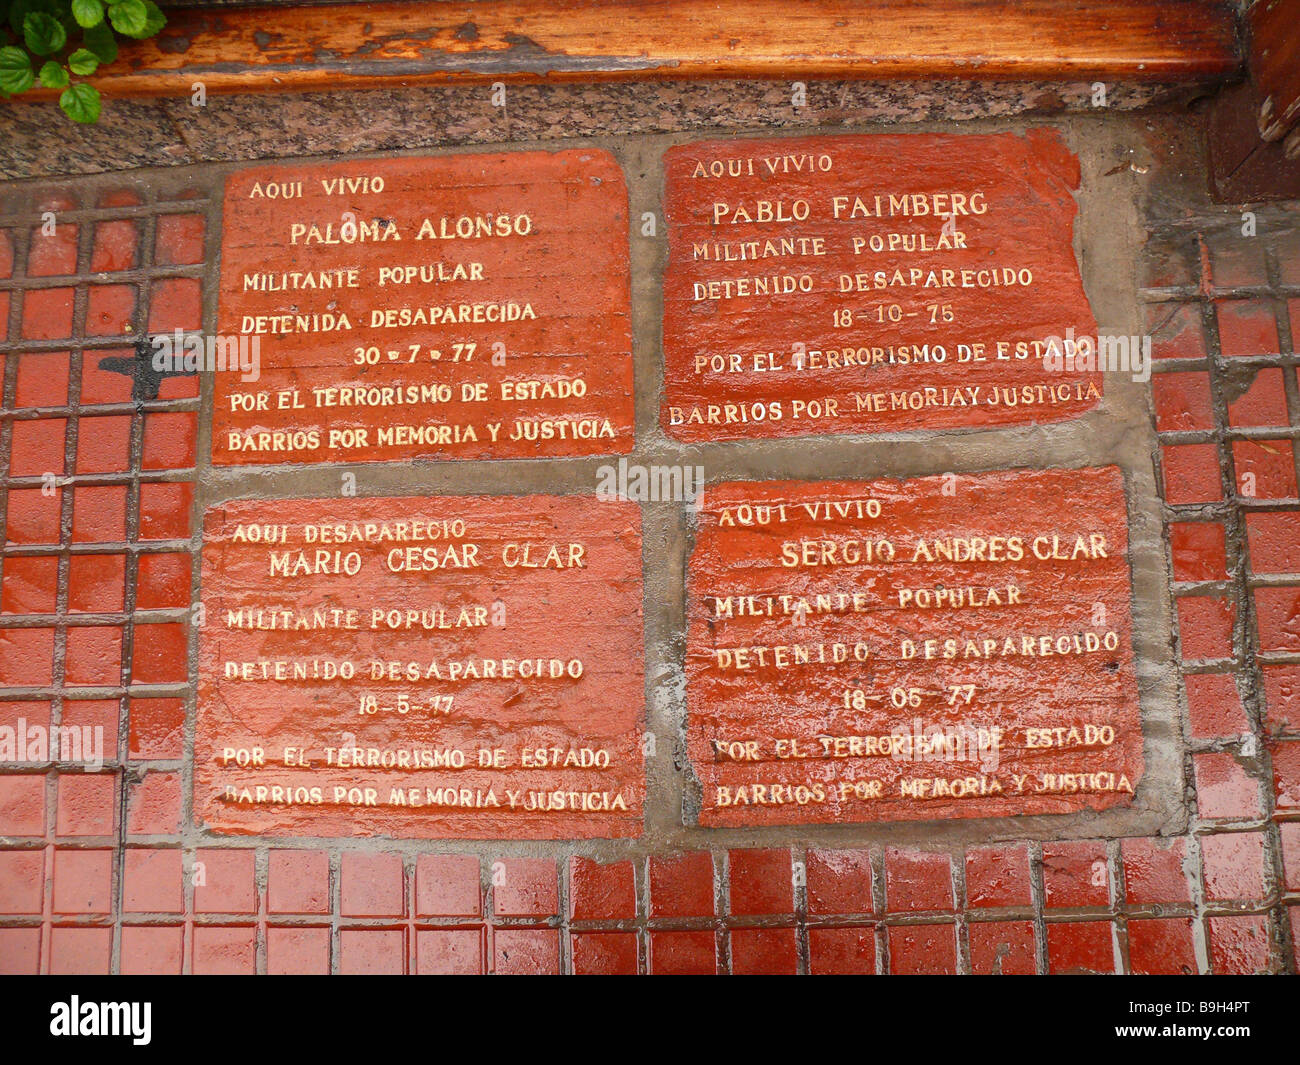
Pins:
x: 94, y: 876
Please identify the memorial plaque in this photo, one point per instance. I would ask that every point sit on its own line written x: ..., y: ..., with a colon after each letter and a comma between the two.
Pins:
x: 954, y: 646
x: 457, y: 307
x: 426, y: 667
x: 872, y: 284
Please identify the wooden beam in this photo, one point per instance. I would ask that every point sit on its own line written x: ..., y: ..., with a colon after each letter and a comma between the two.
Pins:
x: 396, y: 44
x: 1275, y: 65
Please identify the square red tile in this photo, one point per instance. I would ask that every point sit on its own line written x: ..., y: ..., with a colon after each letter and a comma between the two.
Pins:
x: 165, y: 510
x: 1263, y: 403
x: 1205, y: 627
x: 1155, y: 871
x: 225, y: 951
x: 104, y: 444
x: 298, y: 951
x: 26, y: 658
x: 1277, y: 613
x: 449, y: 951
x: 224, y: 881
x: 604, y: 954
x: 1239, y: 945
x: 764, y: 952
x: 1224, y: 788
x: 298, y: 882
x: 1182, y: 402
x: 152, y: 950
x: 839, y: 882
x: 1232, y: 865
x: 32, y: 516
x: 923, y: 950
x: 22, y: 882
x: 1076, y: 874
x: 22, y: 804
x: 152, y: 881
x: 1282, y: 698
x: 52, y: 253
x: 28, y: 585
x: 525, y: 887
x: 373, y: 885
x: 1192, y: 473
x: 110, y: 310
x: 20, y: 951
x: 1265, y: 469
x: 761, y: 882
x: 1246, y: 327
x: 998, y: 876
x: 42, y: 379
x: 169, y: 441
x: 447, y: 885
x: 100, y: 716
x: 682, y: 885
x: 1274, y: 540
x: 1176, y: 332
x: 160, y: 654
x: 1198, y: 551
x: 115, y: 246
x: 372, y: 952
x: 600, y: 891
x: 107, y: 375
x: 842, y: 951
x: 87, y: 804
x: 1080, y: 947
x: 526, y: 951
x: 47, y: 314
x: 99, y: 514
x: 94, y: 656
x: 84, y: 951
x: 163, y: 581
x: 1002, y: 948
x: 36, y: 447
x: 179, y: 240
x: 683, y: 953
x: 1163, y: 946
x: 96, y: 584
x: 175, y: 304
x: 917, y: 880
x: 1214, y: 705
x: 157, y: 728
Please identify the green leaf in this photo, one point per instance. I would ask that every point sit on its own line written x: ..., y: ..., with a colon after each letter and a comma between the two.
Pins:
x: 53, y: 76
x: 100, y: 40
x: 20, y: 9
x: 87, y: 13
x: 80, y: 102
x: 129, y: 17
x: 155, y: 20
x: 43, y: 34
x: 83, y: 62
x: 15, y: 70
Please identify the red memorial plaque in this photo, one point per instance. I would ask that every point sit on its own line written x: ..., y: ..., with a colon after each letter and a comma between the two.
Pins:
x: 873, y: 284
x: 456, y: 307
x: 465, y: 666
x: 954, y: 646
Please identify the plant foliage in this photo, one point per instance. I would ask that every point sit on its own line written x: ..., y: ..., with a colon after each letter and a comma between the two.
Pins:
x: 51, y: 43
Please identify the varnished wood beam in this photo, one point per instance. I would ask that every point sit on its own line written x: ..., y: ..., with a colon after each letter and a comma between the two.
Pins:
x: 389, y: 44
